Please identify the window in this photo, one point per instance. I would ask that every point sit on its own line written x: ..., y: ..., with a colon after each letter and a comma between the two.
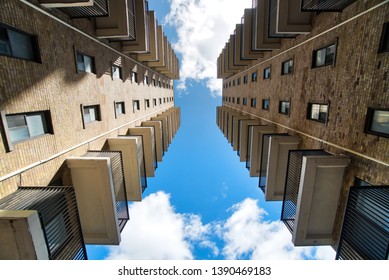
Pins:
x: 266, y: 73
x: 229, y: 99
x: 324, y: 56
x: 160, y: 101
x: 164, y: 100
x: 23, y: 126
x: 384, y: 43
x: 147, y: 103
x: 116, y: 72
x: 377, y: 122
x: 284, y: 107
x: 317, y: 112
x: 154, y: 82
x: 253, y: 102
x: 18, y: 44
x: 119, y: 109
x: 254, y: 76
x: 244, y: 101
x: 146, y: 80
x: 233, y: 100
x: 265, y: 104
x: 233, y: 83
x: 238, y: 100
x: 238, y: 81
x: 135, y: 105
x: 154, y: 102
x: 90, y: 114
x: 287, y: 67
x: 85, y: 63
x: 229, y: 84
x: 245, y: 79
x: 134, y: 77
x: 159, y: 83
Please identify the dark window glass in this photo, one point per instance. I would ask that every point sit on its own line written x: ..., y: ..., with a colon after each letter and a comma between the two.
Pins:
x: 265, y: 104
x: 377, y: 122
x: 253, y: 102
x: 266, y: 73
x: 324, y: 56
x: 317, y: 112
x: 284, y: 107
x: 287, y: 67
x: 384, y: 43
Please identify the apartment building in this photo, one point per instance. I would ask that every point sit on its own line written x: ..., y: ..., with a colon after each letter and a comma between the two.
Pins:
x: 87, y: 113
x: 306, y: 106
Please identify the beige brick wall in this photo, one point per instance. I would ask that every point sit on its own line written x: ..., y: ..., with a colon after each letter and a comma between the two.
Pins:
x: 54, y: 85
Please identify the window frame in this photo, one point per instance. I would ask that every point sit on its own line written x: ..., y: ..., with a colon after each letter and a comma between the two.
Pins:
x: 369, y: 120
x: 113, y: 66
x: 265, y: 77
x: 122, y: 103
x: 254, y: 76
x: 147, y: 103
x: 5, y: 130
x: 137, y: 103
x: 238, y: 100
x: 263, y: 104
x: 290, y: 68
x: 315, y: 52
x: 33, y: 40
x: 245, y: 79
x: 238, y: 82
x: 97, y: 113
x: 134, y: 77
x: 384, y: 37
x: 280, y: 107
x: 309, y: 112
x: 93, y: 66
x: 244, y: 101
x: 253, y: 102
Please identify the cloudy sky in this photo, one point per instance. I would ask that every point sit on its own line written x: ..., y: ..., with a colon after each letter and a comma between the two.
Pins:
x: 202, y: 204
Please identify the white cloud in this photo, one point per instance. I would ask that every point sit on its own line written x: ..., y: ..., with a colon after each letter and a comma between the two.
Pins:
x: 203, y: 27
x: 156, y: 232
x: 247, y: 234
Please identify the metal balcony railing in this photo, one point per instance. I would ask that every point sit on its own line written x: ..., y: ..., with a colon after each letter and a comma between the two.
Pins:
x: 365, y: 230
x: 325, y: 5
x: 292, y: 183
x: 99, y: 9
x: 58, y: 212
x: 118, y: 182
x: 273, y: 10
x: 131, y: 24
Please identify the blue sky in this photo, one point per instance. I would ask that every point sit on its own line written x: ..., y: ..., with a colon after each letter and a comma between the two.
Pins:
x: 202, y: 204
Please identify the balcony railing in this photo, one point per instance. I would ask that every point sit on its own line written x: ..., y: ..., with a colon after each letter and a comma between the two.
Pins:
x: 293, y: 174
x: 365, y: 231
x: 131, y: 24
x: 57, y: 208
x: 118, y: 183
x: 325, y: 5
x: 99, y: 9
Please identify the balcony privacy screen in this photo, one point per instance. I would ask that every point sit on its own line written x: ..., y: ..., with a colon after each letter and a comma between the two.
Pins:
x: 365, y: 231
x: 292, y: 183
x: 99, y: 9
x: 118, y: 182
x: 131, y: 24
x: 58, y: 212
x: 324, y: 5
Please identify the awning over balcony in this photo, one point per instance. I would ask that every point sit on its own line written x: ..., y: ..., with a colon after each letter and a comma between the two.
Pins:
x: 287, y: 20
x: 119, y: 24
x: 98, y: 180
x: 41, y: 223
x: 254, y: 147
x: 98, y: 9
x: 313, y: 182
x: 325, y: 5
x: 147, y: 134
x: 275, y: 152
x: 134, y: 168
x: 158, y: 136
x: 365, y: 230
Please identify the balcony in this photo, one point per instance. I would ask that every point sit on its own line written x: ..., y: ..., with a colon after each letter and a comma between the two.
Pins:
x: 98, y: 9
x: 150, y: 155
x: 261, y: 39
x: 249, y: 50
x: 141, y: 43
x: 119, y: 24
x: 98, y: 180
x: 313, y: 182
x: 365, y: 230
x: 275, y: 151
x: 230, y: 54
x: 325, y: 5
x: 134, y: 168
x: 243, y: 133
x: 40, y: 223
x: 158, y: 137
x: 254, y: 147
x: 286, y: 20
x: 162, y: 49
x: 165, y: 130
x: 65, y: 3
x: 154, y: 42
x: 235, y: 48
x: 167, y: 58
x: 235, y: 130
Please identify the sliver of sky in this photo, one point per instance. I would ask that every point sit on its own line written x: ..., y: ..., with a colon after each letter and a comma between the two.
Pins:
x: 202, y: 203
